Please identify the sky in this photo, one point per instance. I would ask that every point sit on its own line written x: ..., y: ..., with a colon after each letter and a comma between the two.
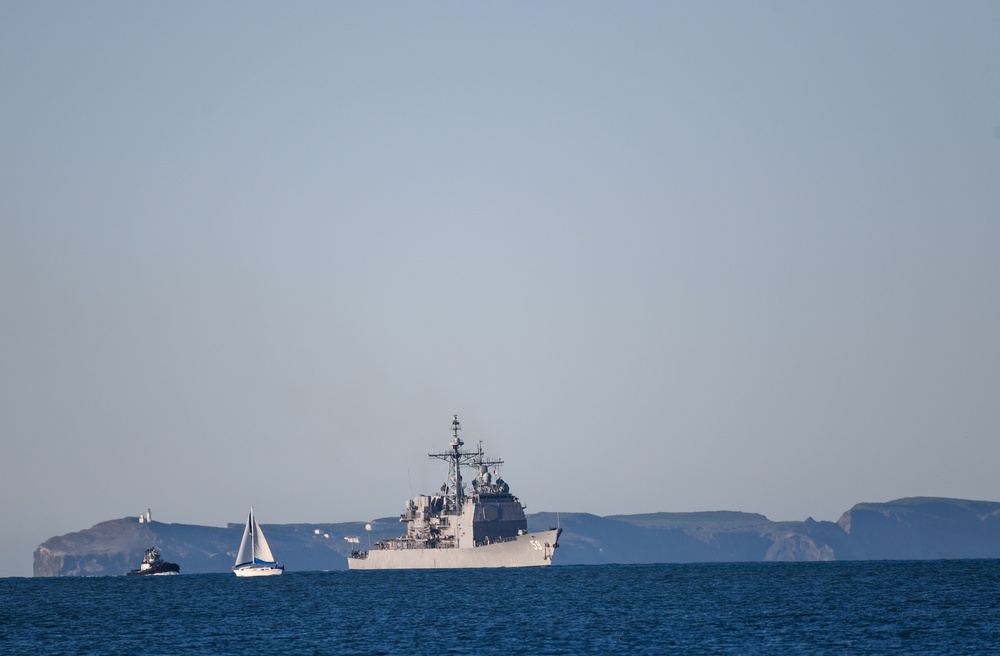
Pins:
x: 657, y: 256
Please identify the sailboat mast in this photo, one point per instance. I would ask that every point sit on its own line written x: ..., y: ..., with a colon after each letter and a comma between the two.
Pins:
x: 253, y: 539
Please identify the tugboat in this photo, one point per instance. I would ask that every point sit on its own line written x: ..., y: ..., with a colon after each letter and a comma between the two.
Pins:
x: 152, y: 564
x: 484, y: 527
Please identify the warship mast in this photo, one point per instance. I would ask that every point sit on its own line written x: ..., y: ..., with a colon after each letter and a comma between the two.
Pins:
x: 456, y: 498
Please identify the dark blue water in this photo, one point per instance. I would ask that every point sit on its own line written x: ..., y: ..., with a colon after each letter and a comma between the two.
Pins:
x: 932, y: 607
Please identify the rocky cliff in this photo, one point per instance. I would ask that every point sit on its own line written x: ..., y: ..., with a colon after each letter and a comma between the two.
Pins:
x: 924, y: 528
x: 914, y: 528
x: 116, y: 546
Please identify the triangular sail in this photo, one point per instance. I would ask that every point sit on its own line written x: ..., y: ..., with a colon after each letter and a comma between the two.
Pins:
x: 261, y: 552
x: 244, y: 556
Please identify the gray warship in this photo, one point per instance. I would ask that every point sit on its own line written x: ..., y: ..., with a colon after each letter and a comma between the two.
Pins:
x: 485, y: 527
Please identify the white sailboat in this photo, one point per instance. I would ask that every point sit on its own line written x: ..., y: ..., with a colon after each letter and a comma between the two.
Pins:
x: 254, y: 557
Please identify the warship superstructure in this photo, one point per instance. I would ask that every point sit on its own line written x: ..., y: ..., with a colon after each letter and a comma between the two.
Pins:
x: 484, y: 527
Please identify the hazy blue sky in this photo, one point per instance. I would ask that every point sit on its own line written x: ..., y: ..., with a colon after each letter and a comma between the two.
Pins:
x: 663, y: 256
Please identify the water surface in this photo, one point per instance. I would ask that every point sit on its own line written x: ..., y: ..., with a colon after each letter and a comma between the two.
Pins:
x: 932, y: 607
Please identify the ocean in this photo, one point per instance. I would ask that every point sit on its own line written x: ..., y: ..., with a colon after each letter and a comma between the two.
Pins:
x: 905, y: 607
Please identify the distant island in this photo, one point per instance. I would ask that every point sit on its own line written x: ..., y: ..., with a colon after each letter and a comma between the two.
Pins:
x: 916, y: 528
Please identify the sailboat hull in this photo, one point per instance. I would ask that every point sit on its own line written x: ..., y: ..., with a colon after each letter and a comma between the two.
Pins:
x: 258, y: 571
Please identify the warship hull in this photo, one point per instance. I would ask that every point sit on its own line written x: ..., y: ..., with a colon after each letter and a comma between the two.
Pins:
x: 528, y: 550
